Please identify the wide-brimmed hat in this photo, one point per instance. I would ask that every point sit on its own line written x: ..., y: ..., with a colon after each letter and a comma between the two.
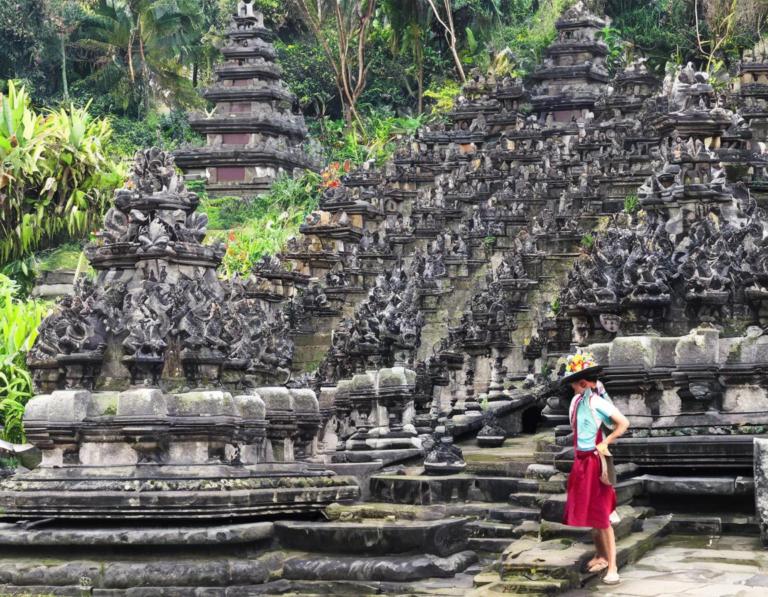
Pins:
x: 578, y: 366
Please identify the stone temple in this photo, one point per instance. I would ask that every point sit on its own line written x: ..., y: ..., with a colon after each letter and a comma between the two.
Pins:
x: 255, y: 134
x: 376, y: 410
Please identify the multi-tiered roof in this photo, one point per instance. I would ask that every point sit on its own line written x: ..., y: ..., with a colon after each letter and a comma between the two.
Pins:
x: 254, y: 135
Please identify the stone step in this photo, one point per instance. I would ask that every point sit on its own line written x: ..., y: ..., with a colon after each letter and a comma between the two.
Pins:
x: 489, y: 544
x: 521, y: 586
x: 544, y: 457
x: 490, y: 530
x: 277, y: 572
x: 390, y: 569
x: 512, y: 514
x: 548, y: 445
x: 412, y: 489
x: 375, y: 537
x: 564, y: 560
x: 527, y: 500
x: 707, y: 524
x: 489, y: 537
x: 540, y: 472
x: 57, y: 534
x: 630, y: 520
x: 498, y: 466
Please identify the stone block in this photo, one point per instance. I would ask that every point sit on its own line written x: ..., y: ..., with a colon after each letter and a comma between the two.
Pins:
x: 277, y: 398
x: 68, y: 405
x: 630, y: 352
x: 201, y: 404
x: 700, y: 347
x: 304, y: 401
x: 327, y: 397
x: 364, y: 381
x: 107, y: 454
x: 746, y: 398
x: 188, y: 453
x: 37, y: 408
x: 251, y: 406
x: 144, y: 402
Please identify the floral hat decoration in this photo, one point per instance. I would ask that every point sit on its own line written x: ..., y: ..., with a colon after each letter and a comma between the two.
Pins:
x: 580, y: 365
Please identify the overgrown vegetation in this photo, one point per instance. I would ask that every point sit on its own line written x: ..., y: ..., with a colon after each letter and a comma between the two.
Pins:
x: 262, y: 225
x: 18, y: 329
x: 55, y: 179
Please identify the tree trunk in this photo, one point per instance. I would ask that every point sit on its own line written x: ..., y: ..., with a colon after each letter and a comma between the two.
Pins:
x: 64, y: 83
x: 420, y: 76
x: 194, y: 74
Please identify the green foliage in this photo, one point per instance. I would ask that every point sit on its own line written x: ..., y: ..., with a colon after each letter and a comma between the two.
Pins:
x: 19, y: 320
x: 141, y: 47
x: 443, y: 94
x: 23, y: 272
x: 556, y: 306
x: 617, y: 49
x: 587, y: 241
x: 55, y: 178
x: 168, y: 131
x: 305, y: 70
x: 631, y: 204
x: 376, y: 140
x: 263, y: 224
x: 529, y: 33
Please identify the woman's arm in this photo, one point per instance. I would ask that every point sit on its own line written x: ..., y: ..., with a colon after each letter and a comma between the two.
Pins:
x: 622, y: 425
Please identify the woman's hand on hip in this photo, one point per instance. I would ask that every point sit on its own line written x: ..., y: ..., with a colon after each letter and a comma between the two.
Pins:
x: 602, y: 447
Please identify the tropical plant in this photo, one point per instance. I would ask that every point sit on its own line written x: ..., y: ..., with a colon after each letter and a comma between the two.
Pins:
x: 54, y: 177
x: 631, y: 203
x: 617, y: 49
x: 19, y: 320
x: 140, y: 49
x: 271, y: 221
x: 373, y: 141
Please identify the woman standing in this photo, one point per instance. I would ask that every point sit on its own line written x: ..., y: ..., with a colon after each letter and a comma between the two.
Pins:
x: 590, y: 501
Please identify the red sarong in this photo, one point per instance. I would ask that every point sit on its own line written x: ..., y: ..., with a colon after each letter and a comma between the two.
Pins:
x: 589, y: 502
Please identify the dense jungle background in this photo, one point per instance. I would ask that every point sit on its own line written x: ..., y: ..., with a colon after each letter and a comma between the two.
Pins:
x: 87, y: 82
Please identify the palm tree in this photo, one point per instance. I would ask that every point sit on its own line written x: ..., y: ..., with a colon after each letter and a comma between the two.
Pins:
x: 143, y: 48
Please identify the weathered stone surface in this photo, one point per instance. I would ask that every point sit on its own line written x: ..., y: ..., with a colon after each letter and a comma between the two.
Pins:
x: 761, y: 487
x: 439, y: 537
x: 142, y: 402
x: 15, y: 535
x: 379, y: 568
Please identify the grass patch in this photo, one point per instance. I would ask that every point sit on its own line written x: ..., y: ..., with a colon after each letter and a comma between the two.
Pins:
x: 66, y: 256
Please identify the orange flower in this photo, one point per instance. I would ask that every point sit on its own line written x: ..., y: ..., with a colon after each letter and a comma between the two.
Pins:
x: 232, y: 237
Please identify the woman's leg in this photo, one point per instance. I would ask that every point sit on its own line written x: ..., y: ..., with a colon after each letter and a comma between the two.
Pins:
x: 601, y: 553
x: 608, y: 539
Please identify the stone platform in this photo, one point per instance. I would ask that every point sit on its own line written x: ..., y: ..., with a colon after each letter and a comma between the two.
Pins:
x: 705, y: 565
x: 166, y: 491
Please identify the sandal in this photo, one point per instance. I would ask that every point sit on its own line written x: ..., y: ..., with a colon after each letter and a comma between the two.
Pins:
x: 612, y: 579
x: 598, y: 566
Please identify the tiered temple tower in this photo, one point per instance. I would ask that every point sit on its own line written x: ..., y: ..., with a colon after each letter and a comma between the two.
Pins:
x: 255, y: 135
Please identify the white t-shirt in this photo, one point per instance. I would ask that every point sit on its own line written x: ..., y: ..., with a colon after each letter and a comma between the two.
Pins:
x: 587, y: 426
